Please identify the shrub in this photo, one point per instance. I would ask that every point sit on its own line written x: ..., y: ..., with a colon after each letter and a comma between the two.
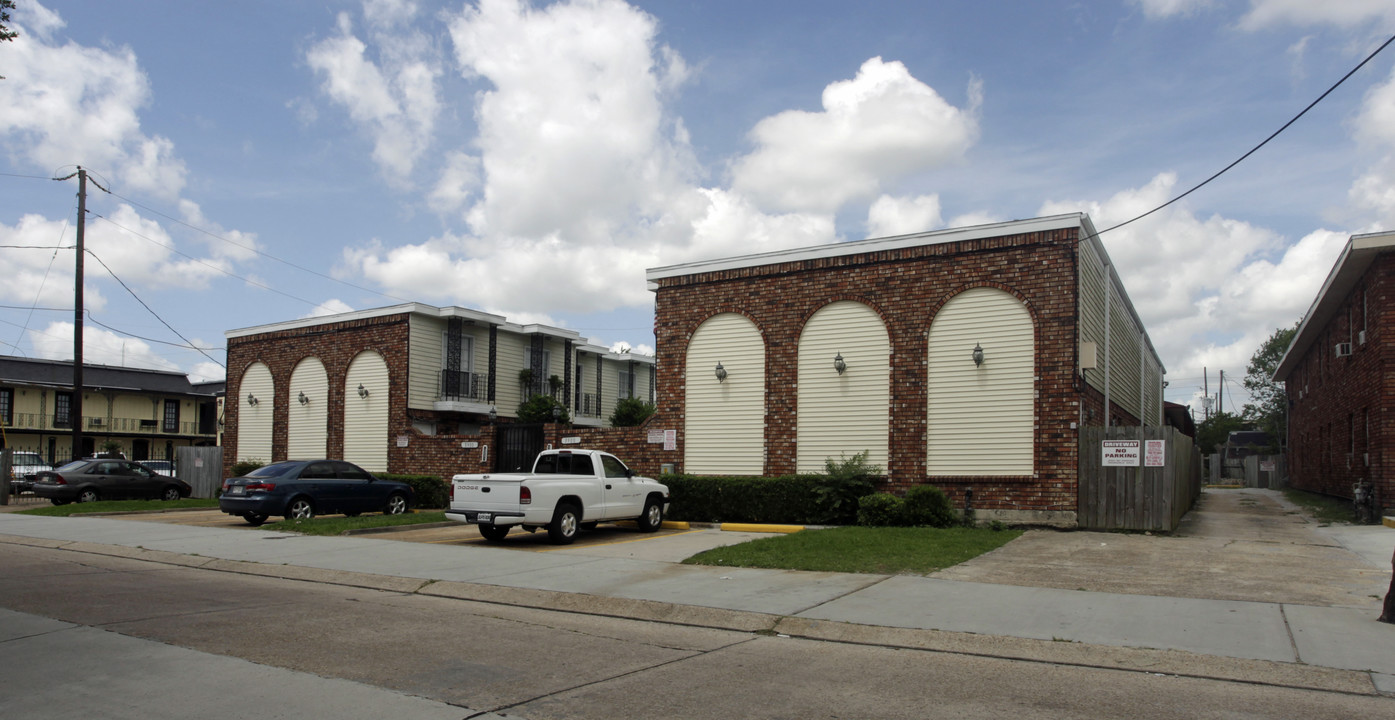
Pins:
x: 880, y: 510
x: 795, y: 499
x: 630, y: 412
x: 430, y: 491
x: 538, y: 409
x: 242, y: 467
x: 928, y: 506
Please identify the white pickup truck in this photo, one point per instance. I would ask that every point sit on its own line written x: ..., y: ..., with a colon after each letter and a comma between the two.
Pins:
x: 568, y: 490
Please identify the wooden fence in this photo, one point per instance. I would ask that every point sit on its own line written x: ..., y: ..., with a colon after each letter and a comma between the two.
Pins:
x: 1152, y: 495
x: 201, y: 467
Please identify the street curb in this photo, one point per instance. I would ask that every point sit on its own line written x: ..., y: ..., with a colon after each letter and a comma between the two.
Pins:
x: 761, y: 528
x: 1176, y: 663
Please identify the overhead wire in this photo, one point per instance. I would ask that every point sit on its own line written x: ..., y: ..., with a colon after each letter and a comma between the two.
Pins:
x: 152, y: 311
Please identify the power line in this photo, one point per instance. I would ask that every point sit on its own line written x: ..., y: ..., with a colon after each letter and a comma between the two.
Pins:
x: 1256, y: 148
x: 152, y: 312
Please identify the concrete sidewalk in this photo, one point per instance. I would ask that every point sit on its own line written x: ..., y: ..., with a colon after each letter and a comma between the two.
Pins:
x: 825, y: 605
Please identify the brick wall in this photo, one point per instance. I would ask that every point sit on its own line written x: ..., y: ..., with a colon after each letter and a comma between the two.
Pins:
x: 1340, y: 408
x: 905, y: 287
x: 335, y: 345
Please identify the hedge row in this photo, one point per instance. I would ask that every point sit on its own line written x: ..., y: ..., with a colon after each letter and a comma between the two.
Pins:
x: 432, y: 492
x: 792, y: 499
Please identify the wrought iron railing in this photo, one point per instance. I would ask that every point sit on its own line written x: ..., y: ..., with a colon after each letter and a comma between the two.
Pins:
x: 590, y: 406
x: 103, y: 424
x: 456, y: 385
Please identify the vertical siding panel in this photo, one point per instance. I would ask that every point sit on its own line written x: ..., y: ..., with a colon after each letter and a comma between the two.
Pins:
x: 981, y: 419
x: 725, y: 424
x: 307, y: 430
x: 254, y: 421
x: 848, y: 413
x: 366, y: 419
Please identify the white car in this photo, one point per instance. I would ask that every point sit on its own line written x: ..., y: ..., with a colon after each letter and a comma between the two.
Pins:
x: 23, y: 467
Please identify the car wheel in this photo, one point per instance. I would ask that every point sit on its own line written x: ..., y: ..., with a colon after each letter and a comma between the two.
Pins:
x: 396, y: 504
x: 88, y: 495
x: 170, y: 494
x: 254, y: 519
x: 493, y: 533
x: 653, y: 516
x: 566, y: 520
x: 300, y: 509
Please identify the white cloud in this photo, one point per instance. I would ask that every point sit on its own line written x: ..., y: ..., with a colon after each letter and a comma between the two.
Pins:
x: 1157, y: 9
x: 207, y: 372
x: 903, y: 215
x: 1209, y: 291
x: 1343, y: 13
x: 396, y: 103
x: 1372, y: 195
x: 332, y: 306
x: 99, y: 347
x: 459, y: 182
x: 876, y: 128
x: 67, y: 105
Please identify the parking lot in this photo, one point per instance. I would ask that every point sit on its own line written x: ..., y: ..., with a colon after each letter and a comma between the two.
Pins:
x: 672, y: 543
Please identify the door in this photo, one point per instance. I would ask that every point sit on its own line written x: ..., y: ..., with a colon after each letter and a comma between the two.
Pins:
x: 623, y: 498
x: 357, y: 491
x: 518, y: 445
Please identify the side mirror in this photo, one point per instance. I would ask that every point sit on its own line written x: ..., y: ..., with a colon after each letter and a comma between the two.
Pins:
x: 629, y: 473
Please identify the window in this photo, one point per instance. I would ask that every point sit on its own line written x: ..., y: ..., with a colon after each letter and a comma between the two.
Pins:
x: 7, y: 402
x: 627, y: 383
x: 467, y: 352
x: 546, y: 360
x: 62, y: 409
x: 614, y: 468
x: 171, y: 416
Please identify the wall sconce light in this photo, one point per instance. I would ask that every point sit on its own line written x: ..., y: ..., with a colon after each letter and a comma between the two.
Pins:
x: 252, y: 399
x: 839, y: 364
x: 978, y: 355
x: 304, y: 400
x: 721, y: 372
x: 493, y: 416
x: 362, y: 391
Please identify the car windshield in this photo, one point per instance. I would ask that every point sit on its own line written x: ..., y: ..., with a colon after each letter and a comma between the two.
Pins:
x: 74, y: 465
x: 28, y: 459
x: 273, y: 470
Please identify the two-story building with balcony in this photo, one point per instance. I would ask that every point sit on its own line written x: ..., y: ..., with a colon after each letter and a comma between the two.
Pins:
x: 145, y: 414
x: 392, y: 388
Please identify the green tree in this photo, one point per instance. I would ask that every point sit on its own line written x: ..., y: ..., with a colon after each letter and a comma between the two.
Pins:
x: 1268, y: 406
x: 540, y: 409
x: 1212, y: 432
x: 630, y: 412
x: 5, y: 32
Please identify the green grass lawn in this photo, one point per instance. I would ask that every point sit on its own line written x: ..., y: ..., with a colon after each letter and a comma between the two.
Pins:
x: 103, y: 506
x: 882, y: 551
x: 1323, y: 508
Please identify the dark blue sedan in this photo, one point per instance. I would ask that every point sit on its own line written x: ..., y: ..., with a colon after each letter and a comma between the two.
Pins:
x: 302, y: 489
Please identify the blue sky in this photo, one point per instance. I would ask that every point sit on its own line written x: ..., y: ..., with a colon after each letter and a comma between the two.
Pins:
x: 271, y: 160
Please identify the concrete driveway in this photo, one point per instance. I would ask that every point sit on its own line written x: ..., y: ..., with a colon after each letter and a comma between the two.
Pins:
x: 1242, y: 544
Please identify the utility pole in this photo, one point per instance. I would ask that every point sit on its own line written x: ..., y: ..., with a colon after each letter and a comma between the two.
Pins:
x: 75, y: 407
x: 1220, y: 392
x: 1206, y: 390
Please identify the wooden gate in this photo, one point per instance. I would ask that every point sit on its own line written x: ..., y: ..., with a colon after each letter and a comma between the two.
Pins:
x: 516, y: 445
x: 1137, y: 497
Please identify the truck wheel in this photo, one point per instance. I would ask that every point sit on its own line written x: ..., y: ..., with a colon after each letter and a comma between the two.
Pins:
x: 653, y: 516
x: 565, y: 522
x: 493, y: 533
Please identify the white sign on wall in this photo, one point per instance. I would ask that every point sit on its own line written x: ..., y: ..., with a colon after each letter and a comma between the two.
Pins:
x: 1154, y: 453
x: 656, y: 437
x: 469, y: 445
x: 1120, y: 453
x: 571, y: 441
x: 670, y: 439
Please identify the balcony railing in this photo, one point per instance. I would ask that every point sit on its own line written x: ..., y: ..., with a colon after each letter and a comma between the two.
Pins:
x: 590, y: 406
x: 457, y: 385
x: 101, y: 424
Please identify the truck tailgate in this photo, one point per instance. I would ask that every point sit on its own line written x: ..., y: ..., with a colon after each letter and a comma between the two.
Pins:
x: 486, y: 492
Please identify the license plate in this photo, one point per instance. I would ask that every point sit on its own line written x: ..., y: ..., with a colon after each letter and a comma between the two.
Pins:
x: 484, y: 517
x: 236, y: 490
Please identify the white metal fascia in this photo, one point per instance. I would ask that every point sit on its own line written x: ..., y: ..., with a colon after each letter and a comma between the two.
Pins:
x: 871, y: 245
x: 327, y: 319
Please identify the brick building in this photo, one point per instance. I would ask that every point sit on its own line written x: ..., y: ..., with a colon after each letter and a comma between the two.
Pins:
x: 1341, y: 425
x: 408, y: 388
x: 966, y: 358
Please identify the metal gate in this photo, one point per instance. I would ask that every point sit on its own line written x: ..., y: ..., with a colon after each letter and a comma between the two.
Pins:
x: 516, y: 445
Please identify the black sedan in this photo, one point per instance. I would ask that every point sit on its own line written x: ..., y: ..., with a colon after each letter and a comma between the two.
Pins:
x: 301, y: 489
x: 106, y: 479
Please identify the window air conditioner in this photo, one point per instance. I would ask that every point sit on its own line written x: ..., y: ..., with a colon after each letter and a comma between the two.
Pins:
x: 1342, y: 349
x: 1361, y: 337
x: 94, y: 422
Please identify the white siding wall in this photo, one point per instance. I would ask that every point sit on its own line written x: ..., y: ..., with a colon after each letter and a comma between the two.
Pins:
x: 724, y: 432
x: 307, y: 429
x: 981, y: 418
x: 254, y: 421
x: 508, y: 361
x: 848, y: 413
x: 424, y: 353
x: 366, y: 419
